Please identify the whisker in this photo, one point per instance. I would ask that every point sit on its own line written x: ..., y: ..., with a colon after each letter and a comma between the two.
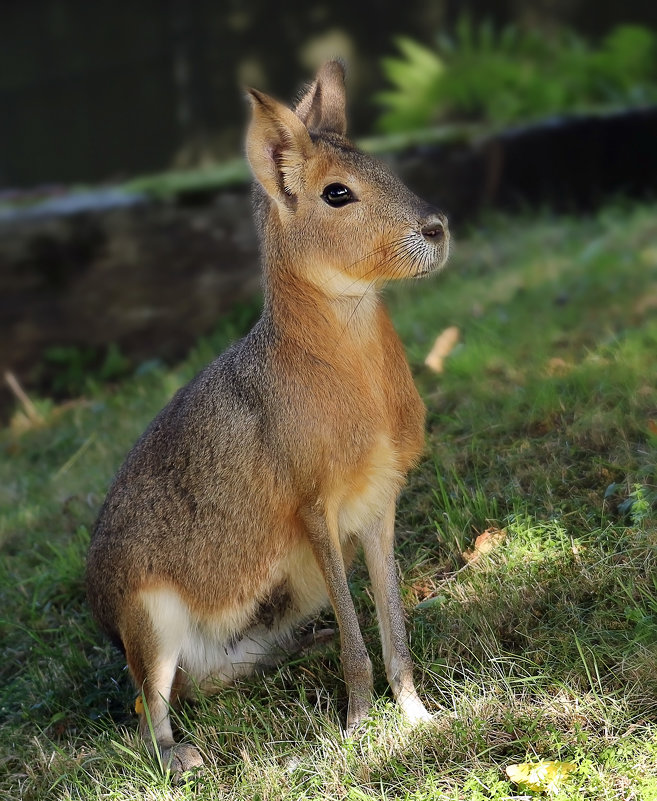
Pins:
x: 349, y: 319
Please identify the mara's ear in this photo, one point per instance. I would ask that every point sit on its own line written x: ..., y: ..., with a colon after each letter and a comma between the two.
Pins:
x: 277, y: 146
x: 323, y: 105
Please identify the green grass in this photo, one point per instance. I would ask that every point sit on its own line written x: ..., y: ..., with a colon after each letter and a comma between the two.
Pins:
x: 543, y: 425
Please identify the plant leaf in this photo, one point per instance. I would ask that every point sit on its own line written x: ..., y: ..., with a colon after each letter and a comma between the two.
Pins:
x: 544, y: 776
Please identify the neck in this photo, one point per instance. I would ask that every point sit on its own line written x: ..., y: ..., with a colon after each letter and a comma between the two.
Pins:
x: 320, y: 308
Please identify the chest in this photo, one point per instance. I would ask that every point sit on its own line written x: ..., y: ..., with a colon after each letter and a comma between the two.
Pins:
x: 362, y: 494
x: 391, y: 443
x: 353, y: 423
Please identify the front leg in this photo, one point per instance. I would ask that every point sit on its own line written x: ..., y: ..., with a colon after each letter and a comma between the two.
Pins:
x: 356, y: 664
x: 378, y: 544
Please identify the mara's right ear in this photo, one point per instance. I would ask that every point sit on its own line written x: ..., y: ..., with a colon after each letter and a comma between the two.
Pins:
x: 322, y: 107
x: 277, y: 147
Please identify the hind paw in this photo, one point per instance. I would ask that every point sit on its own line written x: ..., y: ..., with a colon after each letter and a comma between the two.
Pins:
x: 181, y: 758
x: 313, y: 639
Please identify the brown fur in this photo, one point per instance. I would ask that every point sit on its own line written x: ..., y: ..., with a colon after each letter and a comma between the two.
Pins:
x: 236, y: 514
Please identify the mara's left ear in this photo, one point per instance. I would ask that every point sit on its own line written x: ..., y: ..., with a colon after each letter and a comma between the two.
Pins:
x: 323, y: 105
x: 277, y: 147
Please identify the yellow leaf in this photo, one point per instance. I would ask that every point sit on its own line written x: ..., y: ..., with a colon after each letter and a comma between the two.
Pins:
x: 139, y: 705
x: 442, y: 347
x: 540, y: 776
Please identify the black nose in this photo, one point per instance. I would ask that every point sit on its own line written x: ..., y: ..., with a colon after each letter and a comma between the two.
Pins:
x: 435, y: 227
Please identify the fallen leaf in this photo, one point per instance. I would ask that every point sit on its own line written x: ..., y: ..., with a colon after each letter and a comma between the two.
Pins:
x: 424, y: 589
x: 139, y: 704
x: 544, y: 776
x: 485, y: 543
x: 558, y: 366
x: 442, y: 347
x: 652, y: 426
x: 649, y: 256
x: 647, y: 303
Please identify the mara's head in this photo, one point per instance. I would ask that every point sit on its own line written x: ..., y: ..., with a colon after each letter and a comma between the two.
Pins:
x: 330, y: 212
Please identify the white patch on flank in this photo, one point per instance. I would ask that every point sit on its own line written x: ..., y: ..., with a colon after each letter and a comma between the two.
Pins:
x: 200, y: 646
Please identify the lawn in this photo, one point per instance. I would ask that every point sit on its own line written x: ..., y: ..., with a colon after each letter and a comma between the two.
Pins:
x: 527, y: 547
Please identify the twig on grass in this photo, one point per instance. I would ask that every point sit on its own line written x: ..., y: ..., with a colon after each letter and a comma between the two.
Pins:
x: 28, y: 407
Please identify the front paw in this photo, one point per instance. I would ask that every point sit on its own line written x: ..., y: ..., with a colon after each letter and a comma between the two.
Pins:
x: 357, y: 712
x: 414, y: 711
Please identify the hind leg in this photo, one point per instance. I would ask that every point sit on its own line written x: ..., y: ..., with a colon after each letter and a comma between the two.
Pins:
x: 153, y: 637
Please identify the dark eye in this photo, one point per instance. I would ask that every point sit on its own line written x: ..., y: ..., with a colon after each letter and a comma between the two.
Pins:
x: 337, y: 195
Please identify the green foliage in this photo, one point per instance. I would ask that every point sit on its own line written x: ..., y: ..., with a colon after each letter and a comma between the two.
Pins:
x: 76, y: 369
x: 638, y: 504
x: 512, y: 75
x: 417, y: 80
x: 461, y: 511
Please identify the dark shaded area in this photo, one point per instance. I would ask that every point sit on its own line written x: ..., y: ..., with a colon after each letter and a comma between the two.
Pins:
x: 568, y: 164
x: 101, y: 90
x: 590, y: 17
x: 148, y: 279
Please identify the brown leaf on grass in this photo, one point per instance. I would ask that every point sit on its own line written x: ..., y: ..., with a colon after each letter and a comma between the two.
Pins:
x: 442, y: 347
x: 646, y: 303
x: 486, y: 542
x: 652, y: 426
x: 424, y: 589
x: 558, y: 366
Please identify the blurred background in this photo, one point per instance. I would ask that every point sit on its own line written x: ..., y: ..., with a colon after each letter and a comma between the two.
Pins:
x: 99, y: 91
x: 124, y: 215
